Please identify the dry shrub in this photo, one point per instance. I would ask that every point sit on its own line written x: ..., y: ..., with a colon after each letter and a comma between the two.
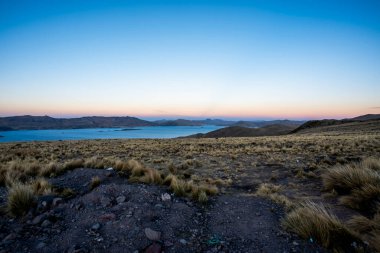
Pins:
x: 311, y: 220
x: 359, y: 182
x: 20, y: 199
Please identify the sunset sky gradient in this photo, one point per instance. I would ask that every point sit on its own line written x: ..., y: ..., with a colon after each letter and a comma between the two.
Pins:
x: 259, y: 59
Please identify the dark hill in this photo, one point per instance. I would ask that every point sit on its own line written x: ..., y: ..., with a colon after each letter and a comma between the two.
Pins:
x: 180, y: 122
x: 237, y: 131
x: 329, y: 124
x: 46, y: 122
x: 367, y: 117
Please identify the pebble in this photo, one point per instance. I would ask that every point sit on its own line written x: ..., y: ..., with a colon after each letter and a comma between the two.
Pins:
x: 183, y: 241
x: 41, y: 245
x: 152, y: 234
x: 45, y: 223
x: 96, y: 226
x: 120, y: 199
x: 38, y: 219
x: 57, y: 201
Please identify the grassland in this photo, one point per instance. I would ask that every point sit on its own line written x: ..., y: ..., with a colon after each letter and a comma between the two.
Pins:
x: 298, y: 171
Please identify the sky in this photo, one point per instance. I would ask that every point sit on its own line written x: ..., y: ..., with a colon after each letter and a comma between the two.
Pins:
x: 257, y: 59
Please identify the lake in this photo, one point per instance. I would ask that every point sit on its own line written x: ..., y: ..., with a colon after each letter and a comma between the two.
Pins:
x: 104, y: 133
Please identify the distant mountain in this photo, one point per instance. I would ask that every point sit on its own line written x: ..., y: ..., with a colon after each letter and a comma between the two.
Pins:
x: 334, y: 122
x: 291, y: 123
x: 178, y: 122
x: 46, y: 122
x: 238, y: 131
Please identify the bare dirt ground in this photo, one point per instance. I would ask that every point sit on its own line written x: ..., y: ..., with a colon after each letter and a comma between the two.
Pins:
x: 113, y: 218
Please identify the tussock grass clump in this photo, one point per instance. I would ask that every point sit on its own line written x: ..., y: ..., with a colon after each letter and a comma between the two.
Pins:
x: 359, y: 182
x: 74, y: 164
x: 151, y: 176
x: 20, y: 199
x: 311, y: 220
x: 41, y: 186
x: 95, y: 182
x: 95, y: 163
x: 272, y: 192
x: 369, y: 229
x: 178, y: 186
x: 53, y: 168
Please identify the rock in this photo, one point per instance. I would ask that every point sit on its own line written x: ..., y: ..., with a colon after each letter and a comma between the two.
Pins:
x: 152, y: 234
x: 183, y: 241
x: 166, y: 197
x: 158, y: 206
x: 10, y: 237
x: 41, y: 245
x: 38, y: 219
x: 95, y: 227
x: 153, y: 248
x: 45, y: 223
x: 57, y: 201
x: 120, y: 199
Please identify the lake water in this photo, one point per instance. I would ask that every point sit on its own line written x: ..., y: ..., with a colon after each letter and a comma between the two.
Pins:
x: 104, y: 133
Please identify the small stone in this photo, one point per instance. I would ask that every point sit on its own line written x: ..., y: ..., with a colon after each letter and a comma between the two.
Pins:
x: 45, y: 223
x: 152, y: 234
x: 120, y: 199
x: 158, y: 206
x: 41, y: 245
x: 57, y: 201
x: 183, y: 241
x: 295, y: 243
x: 166, y: 197
x: 96, y: 226
x: 10, y: 237
x: 38, y: 219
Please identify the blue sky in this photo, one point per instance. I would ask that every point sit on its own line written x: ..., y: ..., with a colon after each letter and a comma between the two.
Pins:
x: 190, y: 59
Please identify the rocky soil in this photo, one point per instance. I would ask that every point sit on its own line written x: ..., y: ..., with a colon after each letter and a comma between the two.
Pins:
x: 118, y: 216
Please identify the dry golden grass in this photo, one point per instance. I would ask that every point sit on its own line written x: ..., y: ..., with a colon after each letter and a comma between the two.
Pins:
x: 272, y: 192
x: 358, y: 182
x: 20, y: 199
x: 314, y: 221
x: 41, y: 186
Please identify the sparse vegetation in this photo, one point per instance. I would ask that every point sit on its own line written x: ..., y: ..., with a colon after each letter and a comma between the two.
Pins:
x: 359, y: 183
x: 314, y: 222
x: 20, y: 199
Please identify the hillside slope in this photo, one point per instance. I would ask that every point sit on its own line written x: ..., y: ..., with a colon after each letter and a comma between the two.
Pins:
x: 46, y: 122
x: 237, y: 131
